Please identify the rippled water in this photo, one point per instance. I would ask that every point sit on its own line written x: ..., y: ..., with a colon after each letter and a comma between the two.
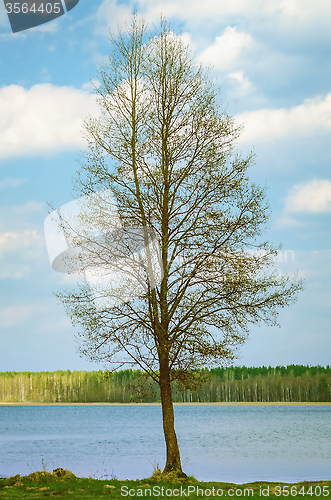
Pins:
x: 224, y: 443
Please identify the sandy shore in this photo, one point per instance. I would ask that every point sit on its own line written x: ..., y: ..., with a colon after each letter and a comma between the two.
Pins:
x: 176, y: 404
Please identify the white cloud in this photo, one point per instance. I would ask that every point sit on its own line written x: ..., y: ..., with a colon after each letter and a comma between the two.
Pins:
x: 310, y: 118
x: 42, y: 119
x: 110, y: 14
x: 227, y: 49
x: 312, y: 197
x: 292, y: 14
x: 54, y: 325
x: 192, y: 9
x: 303, y: 12
x: 286, y: 221
x: 12, y: 216
x: 11, y: 316
x: 14, y: 241
x: 243, y: 83
x: 45, y: 28
x: 187, y: 39
x: 11, y: 182
x: 14, y: 272
x: 22, y: 240
x: 89, y: 86
x: 40, y: 311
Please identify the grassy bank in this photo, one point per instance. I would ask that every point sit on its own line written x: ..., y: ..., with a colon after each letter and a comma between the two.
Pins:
x: 65, y: 485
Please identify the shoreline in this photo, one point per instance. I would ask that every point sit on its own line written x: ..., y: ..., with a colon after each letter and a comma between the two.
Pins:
x: 241, y: 403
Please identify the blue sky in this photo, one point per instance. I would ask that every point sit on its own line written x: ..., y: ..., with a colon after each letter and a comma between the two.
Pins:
x: 272, y: 61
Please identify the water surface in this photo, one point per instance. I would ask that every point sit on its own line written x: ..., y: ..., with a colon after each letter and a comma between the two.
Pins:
x: 218, y: 443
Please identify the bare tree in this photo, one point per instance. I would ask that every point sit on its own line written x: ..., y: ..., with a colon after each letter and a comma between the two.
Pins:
x: 165, y: 148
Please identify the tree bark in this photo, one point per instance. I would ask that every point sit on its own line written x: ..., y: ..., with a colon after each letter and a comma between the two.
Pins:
x: 173, y: 462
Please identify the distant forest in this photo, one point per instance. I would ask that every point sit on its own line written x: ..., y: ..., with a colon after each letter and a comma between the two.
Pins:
x: 293, y: 383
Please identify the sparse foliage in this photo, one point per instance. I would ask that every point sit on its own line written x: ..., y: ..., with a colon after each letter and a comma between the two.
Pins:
x: 166, y: 149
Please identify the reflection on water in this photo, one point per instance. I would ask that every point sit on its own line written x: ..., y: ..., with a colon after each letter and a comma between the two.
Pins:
x: 218, y: 443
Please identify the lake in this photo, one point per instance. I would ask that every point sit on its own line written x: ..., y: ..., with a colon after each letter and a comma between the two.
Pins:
x: 217, y: 442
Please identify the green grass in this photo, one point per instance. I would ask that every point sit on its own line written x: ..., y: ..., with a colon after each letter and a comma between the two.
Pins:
x: 65, y: 485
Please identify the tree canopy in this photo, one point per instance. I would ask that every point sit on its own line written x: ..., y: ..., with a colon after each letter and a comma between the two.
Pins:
x: 165, y: 148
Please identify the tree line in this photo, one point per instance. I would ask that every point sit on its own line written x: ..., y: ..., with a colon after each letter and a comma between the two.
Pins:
x: 293, y: 383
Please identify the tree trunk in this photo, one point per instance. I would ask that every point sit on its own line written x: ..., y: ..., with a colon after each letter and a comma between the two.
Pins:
x: 173, y: 457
